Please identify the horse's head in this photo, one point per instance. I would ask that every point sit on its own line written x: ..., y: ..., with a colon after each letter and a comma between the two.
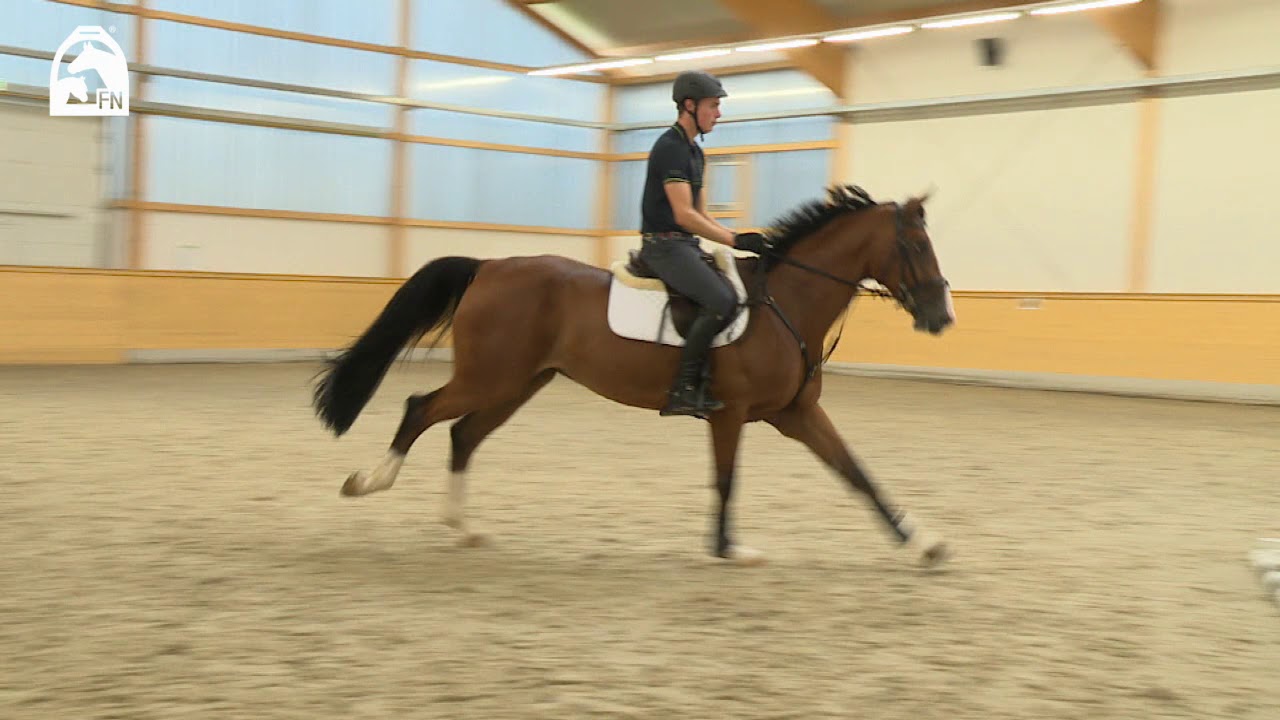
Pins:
x: 863, y: 239
x: 73, y: 85
x: 903, y: 261
x: 85, y: 59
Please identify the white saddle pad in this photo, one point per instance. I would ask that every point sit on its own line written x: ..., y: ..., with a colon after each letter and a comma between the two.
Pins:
x: 638, y: 306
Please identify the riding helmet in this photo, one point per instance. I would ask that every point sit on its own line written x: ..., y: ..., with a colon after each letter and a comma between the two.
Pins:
x: 696, y: 85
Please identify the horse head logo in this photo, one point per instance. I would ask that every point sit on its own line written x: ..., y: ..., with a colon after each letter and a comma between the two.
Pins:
x: 108, y: 95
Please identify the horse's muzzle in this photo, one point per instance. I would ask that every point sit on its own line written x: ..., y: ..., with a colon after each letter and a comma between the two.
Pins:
x: 936, y: 314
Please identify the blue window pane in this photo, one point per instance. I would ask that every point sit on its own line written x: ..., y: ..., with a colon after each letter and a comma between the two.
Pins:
x: 468, y: 185
x: 487, y: 30
x: 371, y: 21
x: 207, y: 163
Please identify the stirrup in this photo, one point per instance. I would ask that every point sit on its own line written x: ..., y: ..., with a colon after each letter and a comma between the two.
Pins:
x: 693, y: 400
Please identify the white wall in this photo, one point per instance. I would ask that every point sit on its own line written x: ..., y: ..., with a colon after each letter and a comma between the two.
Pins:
x: 1043, y: 199
x: 1214, y: 35
x: 1216, y: 221
x: 1040, y: 52
x: 1023, y: 201
x: 1033, y: 200
x: 217, y: 243
x: 51, y: 180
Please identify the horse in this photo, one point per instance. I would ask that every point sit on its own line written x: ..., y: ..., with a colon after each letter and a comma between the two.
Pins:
x: 67, y: 87
x: 113, y: 71
x: 517, y: 322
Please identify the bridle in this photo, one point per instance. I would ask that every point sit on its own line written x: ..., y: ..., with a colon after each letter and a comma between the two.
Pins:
x: 904, y: 293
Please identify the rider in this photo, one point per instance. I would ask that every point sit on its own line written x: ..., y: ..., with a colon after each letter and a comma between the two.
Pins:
x: 672, y: 213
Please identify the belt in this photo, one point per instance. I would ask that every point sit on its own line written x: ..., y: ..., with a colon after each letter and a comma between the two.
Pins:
x: 668, y: 236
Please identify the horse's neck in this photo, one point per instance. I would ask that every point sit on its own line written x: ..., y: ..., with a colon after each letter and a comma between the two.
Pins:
x: 813, y: 302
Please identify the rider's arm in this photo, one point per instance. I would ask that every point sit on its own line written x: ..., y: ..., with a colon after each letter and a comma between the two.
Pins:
x: 680, y: 194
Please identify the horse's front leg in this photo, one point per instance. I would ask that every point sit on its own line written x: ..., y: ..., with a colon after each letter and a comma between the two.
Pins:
x: 726, y: 431
x: 811, y: 426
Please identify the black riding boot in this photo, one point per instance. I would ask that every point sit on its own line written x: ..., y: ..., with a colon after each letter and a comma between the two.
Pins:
x: 691, y: 392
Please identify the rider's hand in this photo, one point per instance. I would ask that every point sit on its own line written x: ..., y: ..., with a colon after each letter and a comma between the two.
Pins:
x: 751, y: 242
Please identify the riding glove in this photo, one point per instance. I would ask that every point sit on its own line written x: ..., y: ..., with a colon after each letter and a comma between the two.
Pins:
x: 751, y: 242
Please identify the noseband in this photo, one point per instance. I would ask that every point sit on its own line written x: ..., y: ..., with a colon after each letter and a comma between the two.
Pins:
x: 909, y: 286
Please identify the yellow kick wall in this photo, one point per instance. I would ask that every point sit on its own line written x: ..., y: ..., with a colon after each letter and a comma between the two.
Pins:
x: 99, y: 316
x: 1210, y: 338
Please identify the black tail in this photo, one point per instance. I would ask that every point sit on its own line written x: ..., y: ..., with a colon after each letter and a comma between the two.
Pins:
x: 425, y: 302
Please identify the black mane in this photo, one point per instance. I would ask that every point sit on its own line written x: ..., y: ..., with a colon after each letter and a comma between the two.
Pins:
x: 786, y: 231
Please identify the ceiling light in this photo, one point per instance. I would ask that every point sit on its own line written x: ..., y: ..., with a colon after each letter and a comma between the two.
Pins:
x: 694, y: 55
x: 780, y: 45
x: 971, y: 20
x: 868, y: 34
x: 1076, y: 7
x: 589, y: 67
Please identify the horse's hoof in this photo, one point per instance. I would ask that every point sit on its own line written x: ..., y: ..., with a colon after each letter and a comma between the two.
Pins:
x: 356, y: 484
x: 742, y: 556
x: 474, y: 540
x: 453, y: 521
x: 934, y: 554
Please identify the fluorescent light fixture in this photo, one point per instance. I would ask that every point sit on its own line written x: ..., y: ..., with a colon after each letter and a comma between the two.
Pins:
x: 970, y: 20
x: 588, y: 67
x: 1076, y: 7
x: 868, y: 34
x: 840, y: 37
x: 780, y: 45
x: 694, y: 55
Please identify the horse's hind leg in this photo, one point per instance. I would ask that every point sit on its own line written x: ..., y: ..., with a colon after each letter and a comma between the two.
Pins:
x: 466, y: 435
x: 420, y: 413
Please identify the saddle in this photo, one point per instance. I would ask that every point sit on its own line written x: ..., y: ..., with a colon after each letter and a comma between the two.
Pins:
x: 643, y: 307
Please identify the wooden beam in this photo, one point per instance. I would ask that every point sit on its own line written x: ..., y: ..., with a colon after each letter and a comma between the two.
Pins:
x: 136, y: 237
x: 606, y: 172
x: 1137, y: 27
x: 396, y: 237
x: 826, y: 63
x: 266, y: 213
x: 1144, y: 184
x: 523, y: 7
x: 537, y: 17
x: 742, y: 149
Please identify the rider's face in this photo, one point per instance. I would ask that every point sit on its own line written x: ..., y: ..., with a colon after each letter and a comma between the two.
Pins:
x: 708, y: 113
x: 705, y: 112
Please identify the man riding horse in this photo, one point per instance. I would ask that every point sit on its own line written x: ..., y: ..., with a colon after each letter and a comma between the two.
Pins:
x: 673, y: 213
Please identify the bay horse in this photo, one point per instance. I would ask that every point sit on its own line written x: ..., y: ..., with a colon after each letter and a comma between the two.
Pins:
x: 517, y: 322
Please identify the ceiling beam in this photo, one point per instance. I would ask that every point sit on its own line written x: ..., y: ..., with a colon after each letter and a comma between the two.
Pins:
x: 826, y: 63
x: 1137, y: 27
x: 534, y: 15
